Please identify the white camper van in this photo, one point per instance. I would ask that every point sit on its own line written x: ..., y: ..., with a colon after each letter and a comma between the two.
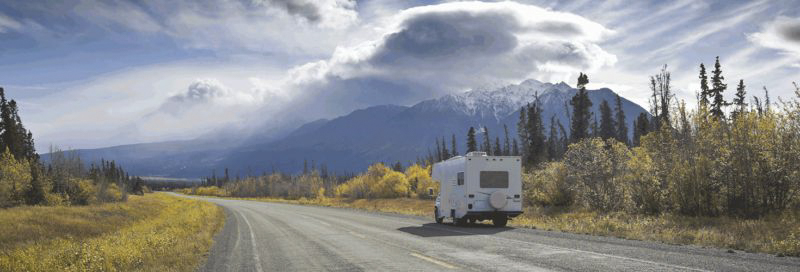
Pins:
x: 478, y: 187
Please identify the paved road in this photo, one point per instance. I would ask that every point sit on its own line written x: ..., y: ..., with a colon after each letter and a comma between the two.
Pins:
x: 281, y: 237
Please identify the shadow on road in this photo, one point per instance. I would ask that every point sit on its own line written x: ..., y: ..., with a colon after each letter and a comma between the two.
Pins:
x: 438, y: 230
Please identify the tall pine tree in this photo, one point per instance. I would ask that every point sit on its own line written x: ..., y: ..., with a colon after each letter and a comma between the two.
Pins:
x: 581, y: 114
x: 622, y: 128
x: 453, y: 145
x: 718, y: 87
x: 608, y: 127
x: 536, y: 151
x: 472, y: 145
x: 522, y: 131
x: 498, y: 150
x: 487, y: 142
x: 704, y: 90
x: 506, y: 143
x: 738, y: 101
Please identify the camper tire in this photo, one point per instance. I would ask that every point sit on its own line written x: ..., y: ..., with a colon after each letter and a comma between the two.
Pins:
x: 436, y: 216
x: 500, y: 221
x: 461, y: 221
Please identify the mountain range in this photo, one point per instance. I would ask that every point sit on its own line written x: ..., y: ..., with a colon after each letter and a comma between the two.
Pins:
x: 350, y: 143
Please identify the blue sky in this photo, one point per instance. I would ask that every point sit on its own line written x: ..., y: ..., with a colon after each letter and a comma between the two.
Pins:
x: 100, y: 73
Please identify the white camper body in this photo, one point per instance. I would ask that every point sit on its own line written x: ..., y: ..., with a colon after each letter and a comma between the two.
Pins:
x: 478, y: 187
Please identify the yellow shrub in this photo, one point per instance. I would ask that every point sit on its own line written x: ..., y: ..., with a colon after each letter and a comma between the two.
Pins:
x: 420, y: 180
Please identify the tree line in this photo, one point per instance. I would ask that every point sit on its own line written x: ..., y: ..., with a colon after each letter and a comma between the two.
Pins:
x: 720, y: 158
x: 64, y: 180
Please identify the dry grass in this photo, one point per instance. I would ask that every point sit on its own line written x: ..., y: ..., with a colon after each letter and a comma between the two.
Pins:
x: 777, y: 234
x: 156, y: 232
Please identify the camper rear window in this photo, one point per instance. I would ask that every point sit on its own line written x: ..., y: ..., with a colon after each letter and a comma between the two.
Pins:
x: 494, y: 179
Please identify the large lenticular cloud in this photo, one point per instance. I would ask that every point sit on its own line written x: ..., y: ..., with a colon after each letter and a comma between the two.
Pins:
x: 433, y: 50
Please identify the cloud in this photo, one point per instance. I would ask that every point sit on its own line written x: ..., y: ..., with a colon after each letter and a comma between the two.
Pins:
x: 433, y: 50
x: 783, y: 34
x: 324, y: 12
x: 8, y: 24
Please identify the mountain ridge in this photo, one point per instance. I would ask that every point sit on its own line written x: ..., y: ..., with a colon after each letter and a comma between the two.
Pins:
x: 349, y: 143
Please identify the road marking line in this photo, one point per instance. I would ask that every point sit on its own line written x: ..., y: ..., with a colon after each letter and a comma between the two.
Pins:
x: 253, y: 240
x: 432, y: 260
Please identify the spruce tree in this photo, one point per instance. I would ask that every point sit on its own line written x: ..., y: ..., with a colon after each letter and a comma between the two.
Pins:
x: 522, y: 131
x: 704, y: 91
x: 506, y: 143
x: 472, y: 145
x: 438, y: 154
x: 536, y: 141
x: 453, y: 145
x: 718, y: 87
x: 608, y: 126
x: 498, y: 150
x: 552, y: 140
x: 487, y: 143
x: 581, y: 106
x: 622, y: 128
x: 741, y: 95
x: 514, y: 147
x: 445, y: 152
x: 641, y: 126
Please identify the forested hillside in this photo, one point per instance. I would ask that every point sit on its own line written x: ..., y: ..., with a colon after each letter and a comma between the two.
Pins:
x: 63, y: 180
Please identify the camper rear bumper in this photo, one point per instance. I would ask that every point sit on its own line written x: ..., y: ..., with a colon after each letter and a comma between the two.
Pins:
x: 491, y: 214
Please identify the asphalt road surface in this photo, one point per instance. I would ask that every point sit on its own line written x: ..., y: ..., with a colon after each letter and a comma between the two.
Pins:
x: 262, y: 236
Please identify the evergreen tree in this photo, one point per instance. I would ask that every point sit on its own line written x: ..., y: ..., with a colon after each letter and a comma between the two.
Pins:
x: 704, y: 91
x: 553, y: 142
x: 622, y: 128
x: 522, y: 131
x: 741, y: 95
x: 641, y: 126
x: 718, y: 87
x: 608, y: 126
x: 472, y: 145
x: 487, y: 143
x: 581, y: 114
x: 506, y: 143
x: 453, y: 145
x: 445, y: 152
x: 438, y: 151
x: 536, y: 151
x: 498, y: 151
x: 514, y: 147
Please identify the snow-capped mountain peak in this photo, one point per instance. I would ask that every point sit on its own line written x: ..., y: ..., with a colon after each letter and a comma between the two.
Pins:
x: 500, y: 102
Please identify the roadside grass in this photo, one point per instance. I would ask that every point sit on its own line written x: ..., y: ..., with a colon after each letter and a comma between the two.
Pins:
x: 776, y: 234
x: 155, y: 232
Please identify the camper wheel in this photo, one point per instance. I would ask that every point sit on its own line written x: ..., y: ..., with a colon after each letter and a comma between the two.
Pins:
x: 500, y: 221
x: 461, y: 221
x: 472, y: 220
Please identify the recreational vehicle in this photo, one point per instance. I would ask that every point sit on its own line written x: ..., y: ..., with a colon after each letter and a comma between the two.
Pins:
x: 478, y: 187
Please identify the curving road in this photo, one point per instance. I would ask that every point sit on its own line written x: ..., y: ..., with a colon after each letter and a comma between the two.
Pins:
x: 262, y: 236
